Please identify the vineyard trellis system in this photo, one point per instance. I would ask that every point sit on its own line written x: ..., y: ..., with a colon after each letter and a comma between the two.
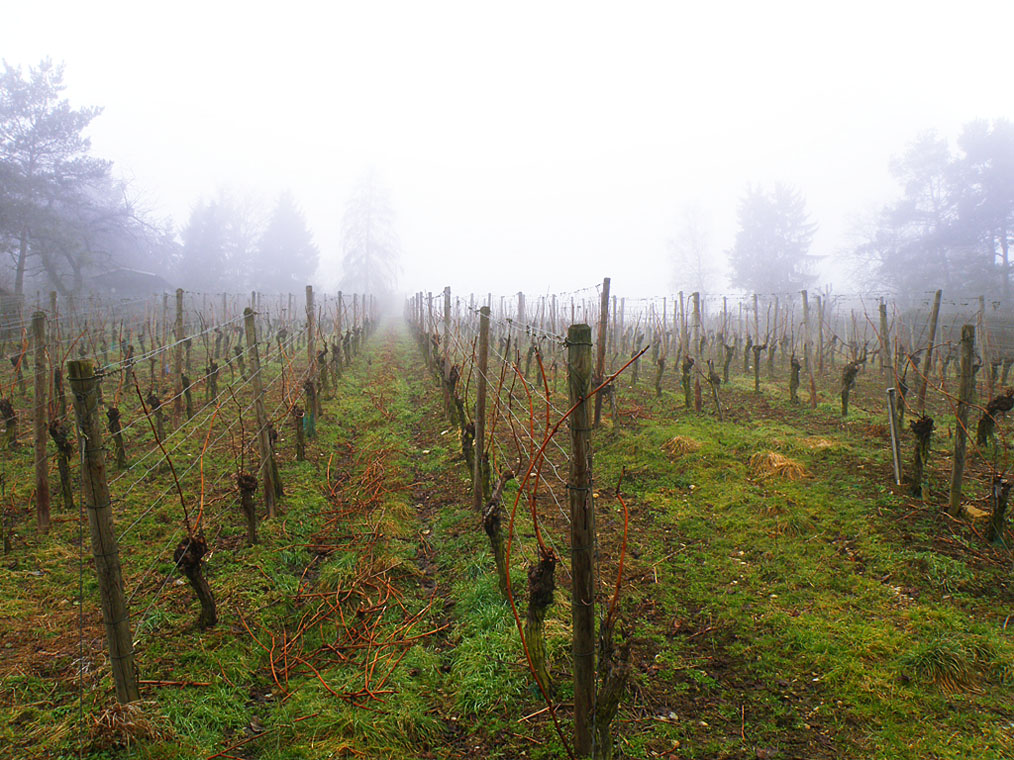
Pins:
x: 248, y: 366
x: 498, y: 365
x: 514, y: 373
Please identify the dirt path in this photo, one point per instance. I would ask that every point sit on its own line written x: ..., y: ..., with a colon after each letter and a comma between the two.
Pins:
x: 379, y: 642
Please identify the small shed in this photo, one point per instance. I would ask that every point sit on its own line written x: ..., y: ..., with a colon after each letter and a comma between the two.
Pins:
x: 125, y: 282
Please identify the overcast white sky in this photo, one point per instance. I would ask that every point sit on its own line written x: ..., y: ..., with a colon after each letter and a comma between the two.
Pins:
x: 526, y: 145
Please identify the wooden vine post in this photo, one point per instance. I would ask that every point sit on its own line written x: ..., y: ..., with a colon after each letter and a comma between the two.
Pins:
x: 820, y: 335
x: 928, y: 363
x: 100, y: 522
x: 480, y: 468
x: 41, y: 430
x: 447, y: 330
x: 965, y: 391
x: 806, y: 331
x: 311, y: 356
x: 582, y: 536
x: 772, y: 342
x: 178, y: 361
x: 600, y: 348
x: 987, y: 363
x: 337, y: 358
x: 697, y: 324
x: 267, y: 466
x: 886, y: 361
x: 431, y: 360
x: 757, y: 345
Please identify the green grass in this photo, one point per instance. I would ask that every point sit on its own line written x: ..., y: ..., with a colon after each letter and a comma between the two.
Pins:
x: 830, y: 616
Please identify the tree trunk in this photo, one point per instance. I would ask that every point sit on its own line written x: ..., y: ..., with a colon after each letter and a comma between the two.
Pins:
x: 19, y: 276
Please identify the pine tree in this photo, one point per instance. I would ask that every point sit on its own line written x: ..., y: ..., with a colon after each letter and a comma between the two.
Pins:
x: 772, y: 249
x: 287, y: 257
x: 369, y: 241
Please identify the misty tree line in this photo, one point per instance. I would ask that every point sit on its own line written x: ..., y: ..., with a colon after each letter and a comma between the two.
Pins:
x: 66, y: 223
x: 953, y: 224
x: 951, y: 227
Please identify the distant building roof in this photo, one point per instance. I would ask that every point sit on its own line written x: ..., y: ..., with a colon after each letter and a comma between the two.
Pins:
x: 126, y: 281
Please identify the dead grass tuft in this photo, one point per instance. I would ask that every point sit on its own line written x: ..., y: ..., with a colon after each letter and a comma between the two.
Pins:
x: 119, y: 726
x: 816, y: 443
x: 769, y: 464
x: 877, y: 430
x: 680, y: 445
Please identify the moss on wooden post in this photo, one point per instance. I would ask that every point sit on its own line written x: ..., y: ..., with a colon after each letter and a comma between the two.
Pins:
x: 480, y: 468
x: 927, y: 366
x: 103, y: 537
x: 297, y: 422
x: 178, y: 361
x: 794, y: 369
x: 267, y: 467
x: 965, y: 392
x: 40, y: 421
x: 582, y: 533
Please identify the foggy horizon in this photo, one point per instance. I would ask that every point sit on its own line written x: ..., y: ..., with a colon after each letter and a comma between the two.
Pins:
x: 519, y: 147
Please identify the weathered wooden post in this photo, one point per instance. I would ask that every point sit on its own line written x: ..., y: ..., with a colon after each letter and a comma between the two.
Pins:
x: 157, y: 380
x: 100, y: 521
x: 806, y: 331
x: 297, y: 423
x: 178, y: 361
x: 310, y: 415
x: 40, y: 430
x: 773, y: 342
x: 447, y: 329
x: 756, y: 319
x: 927, y: 365
x: 267, y: 465
x: 757, y: 346
x: 311, y: 356
x: 820, y: 335
x: 684, y: 340
x: 582, y: 536
x: 600, y: 358
x: 337, y: 358
x: 984, y: 351
x: 966, y: 389
x: 886, y: 362
x: 697, y: 324
x: 480, y: 467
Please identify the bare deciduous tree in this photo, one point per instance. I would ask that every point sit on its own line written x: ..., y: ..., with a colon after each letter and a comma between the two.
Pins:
x: 370, y: 247
x: 690, y: 250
